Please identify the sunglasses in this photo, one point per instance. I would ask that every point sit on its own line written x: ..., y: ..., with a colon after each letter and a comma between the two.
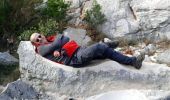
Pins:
x: 38, y: 38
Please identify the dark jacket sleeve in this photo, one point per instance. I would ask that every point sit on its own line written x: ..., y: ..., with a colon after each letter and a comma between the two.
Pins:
x: 55, y: 45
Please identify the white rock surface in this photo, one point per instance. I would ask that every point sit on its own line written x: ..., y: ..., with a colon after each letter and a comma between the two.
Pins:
x: 139, y: 18
x: 164, y: 57
x: 98, y: 77
x: 129, y: 17
x: 132, y: 95
x: 79, y: 35
x: 150, y: 49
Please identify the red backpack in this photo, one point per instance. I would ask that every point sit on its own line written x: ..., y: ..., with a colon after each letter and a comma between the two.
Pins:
x: 70, y: 48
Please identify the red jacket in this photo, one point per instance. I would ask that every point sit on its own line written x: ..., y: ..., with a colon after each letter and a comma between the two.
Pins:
x: 70, y: 47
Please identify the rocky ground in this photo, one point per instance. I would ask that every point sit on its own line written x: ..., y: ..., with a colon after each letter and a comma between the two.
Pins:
x: 52, y: 80
x: 48, y: 76
x: 104, y: 79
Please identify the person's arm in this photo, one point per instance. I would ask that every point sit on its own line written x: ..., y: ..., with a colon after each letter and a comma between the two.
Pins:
x: 56, y: 45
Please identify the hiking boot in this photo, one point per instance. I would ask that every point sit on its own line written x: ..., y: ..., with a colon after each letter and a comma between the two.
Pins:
x: 139, y: 59
x: 111, y: 43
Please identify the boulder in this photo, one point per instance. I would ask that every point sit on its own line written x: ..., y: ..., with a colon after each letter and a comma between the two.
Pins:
x: 79, y: 35
x: 164, y: 57
x: 7, y: 59
x: 128, y: 17
x: 151, y: 14
x: 18, y: 90
x: 132, y: 95
x: 150, y: 49
x: 98, y: 77
x: 124, y: 17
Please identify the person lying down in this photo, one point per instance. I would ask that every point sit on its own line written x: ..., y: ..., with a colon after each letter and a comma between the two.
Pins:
x: 62, y: 50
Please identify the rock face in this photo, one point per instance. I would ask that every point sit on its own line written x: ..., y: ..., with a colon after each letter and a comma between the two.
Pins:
x: 7, y: 59
x: 126, y: 17
x: 132, y: 95
x: 79, y: 35
x: 150, y: 49
x: 19, y: 90
x: 101, y: 76
x: 164, y: 57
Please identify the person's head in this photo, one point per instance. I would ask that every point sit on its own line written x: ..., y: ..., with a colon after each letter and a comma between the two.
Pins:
x: 38, y: 38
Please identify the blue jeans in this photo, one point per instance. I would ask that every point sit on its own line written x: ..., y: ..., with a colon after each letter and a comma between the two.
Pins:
x: 99, y: 51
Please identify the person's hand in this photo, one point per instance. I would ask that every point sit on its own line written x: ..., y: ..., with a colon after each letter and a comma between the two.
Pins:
x: 56, y: 53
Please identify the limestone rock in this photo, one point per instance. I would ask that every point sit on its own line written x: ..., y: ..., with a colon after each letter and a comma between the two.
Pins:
x: 132, y: 95
x: 150, y: 49
x: 79, y: 35
x: 7, y: 59
x: 74, y: 3
x: 164, y: 57
x: 151, y: 14
x: 98, y: 77
x: 129, y: 17
x: 18, y: 90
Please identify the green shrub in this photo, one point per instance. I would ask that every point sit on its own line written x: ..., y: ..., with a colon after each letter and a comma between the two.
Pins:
x: 16, y: 15
x: 20, y: 15
x: 46, y: 27
x: 4, y: 12
x: 53, y: 19
x: 94, y: 17
x: 26, y: 34
x: 57, y: 10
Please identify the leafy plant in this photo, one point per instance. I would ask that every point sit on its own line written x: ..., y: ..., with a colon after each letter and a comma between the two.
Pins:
x: 57, y: 10
x: 94, y: 17
x: 4, y: 12
x: 16, y: 15
x: 46, y: 27
x: 26, y: 34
